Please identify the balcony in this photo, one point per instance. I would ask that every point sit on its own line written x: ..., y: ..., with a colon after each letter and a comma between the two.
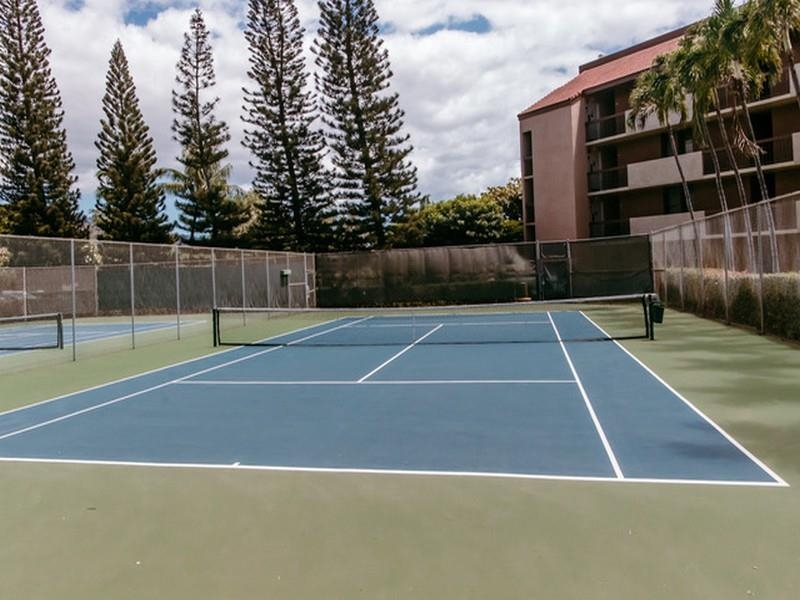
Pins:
x: 604, y: 127
x: 608, y: 179
x: 773, y: 151
x: 609, y: 228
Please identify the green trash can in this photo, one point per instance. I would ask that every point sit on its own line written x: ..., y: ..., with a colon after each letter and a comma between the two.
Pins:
x: 656, y: 311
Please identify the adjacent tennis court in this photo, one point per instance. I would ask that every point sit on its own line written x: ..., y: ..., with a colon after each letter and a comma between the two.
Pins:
x: 50, y: 331
x: 495, y: 394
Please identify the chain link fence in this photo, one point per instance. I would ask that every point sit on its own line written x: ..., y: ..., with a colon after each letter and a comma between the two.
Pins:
x: 133, y: 290
x: 740, y: 267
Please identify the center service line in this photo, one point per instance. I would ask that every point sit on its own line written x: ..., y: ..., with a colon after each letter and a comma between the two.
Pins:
x: 611, y: 457
x: 399, y: 354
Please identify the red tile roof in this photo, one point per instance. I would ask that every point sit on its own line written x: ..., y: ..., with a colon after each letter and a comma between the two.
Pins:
x: 620, y: 65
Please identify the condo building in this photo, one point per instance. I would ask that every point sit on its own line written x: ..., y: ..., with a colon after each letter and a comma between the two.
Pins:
x: 587, y: 172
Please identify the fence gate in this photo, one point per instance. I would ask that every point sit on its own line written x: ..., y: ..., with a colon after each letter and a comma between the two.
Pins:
x: 553, y: 267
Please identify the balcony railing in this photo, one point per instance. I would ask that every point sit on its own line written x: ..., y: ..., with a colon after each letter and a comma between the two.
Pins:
x: 605, y: 127
x: 773, y: 151
x: 608, y: 179
x: 728, y: 97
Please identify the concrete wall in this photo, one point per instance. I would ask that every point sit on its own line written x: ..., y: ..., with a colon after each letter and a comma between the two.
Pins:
x: 664, y: 171
x: 645, y: 225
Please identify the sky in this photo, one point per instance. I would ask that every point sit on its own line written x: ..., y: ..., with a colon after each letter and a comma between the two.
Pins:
x: 463, y: 69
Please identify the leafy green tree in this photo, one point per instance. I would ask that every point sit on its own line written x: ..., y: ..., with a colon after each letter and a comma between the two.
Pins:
x: 462, y: 220
x: 296, y: 211
x: 509, y: 197
x: 130, y: 202
x: 374, y: 179
x: 207, y: 210
x: 36, y: 181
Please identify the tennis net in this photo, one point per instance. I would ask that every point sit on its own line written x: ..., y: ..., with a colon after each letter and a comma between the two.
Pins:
x: 31, y: 332
x: 596, y: 319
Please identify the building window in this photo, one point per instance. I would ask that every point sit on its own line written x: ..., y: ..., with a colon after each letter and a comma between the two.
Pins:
x: 674, y: 202
x: 683, y: 139
x: 529, y: 213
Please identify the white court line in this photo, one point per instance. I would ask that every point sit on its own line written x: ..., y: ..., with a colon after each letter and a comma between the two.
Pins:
x: 606, y: 444
x: 162, y: 385
x: 154, y: 371
x: 399, y: 354
x: 211, y: 382
x: 398, y: 472
x: 779, y: 480
x: 476, y: 324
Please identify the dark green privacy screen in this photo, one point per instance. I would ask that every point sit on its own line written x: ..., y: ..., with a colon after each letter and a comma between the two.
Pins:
x: 483, y: 274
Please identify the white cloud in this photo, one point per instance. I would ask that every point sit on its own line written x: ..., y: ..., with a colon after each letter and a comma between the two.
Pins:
x: 461, y: 91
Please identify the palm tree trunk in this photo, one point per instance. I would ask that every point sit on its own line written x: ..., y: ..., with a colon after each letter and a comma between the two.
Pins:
x: 698, y: 245
x: 762, y: 183
x: 723, y: 203
x: 687, y: 194
x: 738, y: 177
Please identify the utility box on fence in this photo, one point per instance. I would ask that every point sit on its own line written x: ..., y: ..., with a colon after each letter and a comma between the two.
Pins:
x: 285, y: 276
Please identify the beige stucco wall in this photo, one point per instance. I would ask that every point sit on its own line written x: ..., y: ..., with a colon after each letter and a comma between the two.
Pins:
x: 560, y: 186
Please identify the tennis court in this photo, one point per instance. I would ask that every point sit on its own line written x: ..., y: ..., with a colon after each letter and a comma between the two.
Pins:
x: 500, y: 394
x: 40, y: 332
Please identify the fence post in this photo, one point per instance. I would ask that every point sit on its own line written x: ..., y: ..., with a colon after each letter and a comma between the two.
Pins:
x: 269, y: 293
x: 25, y: 291
x: 682, y: 242
x: 244, y: 281
x: 728, y: 247
x: 133, y: 297
x: 761, y: 317
x: 666, y: 265
x: 214, y: 278
x: 178, y: 286
x: 539, y: 291
x: 96, y: 291
x: 305, y: 277
x: 288, y: 283
x: 74, y: 299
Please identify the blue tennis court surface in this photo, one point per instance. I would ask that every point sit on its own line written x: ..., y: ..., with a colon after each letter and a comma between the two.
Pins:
x: 443, y: 405
x: 35, y: 335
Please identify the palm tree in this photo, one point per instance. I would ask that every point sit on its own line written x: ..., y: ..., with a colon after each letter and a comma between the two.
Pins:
x: 772, y: 23
x: 658, y: 92
x: 691, y: 70
x: 747, y: 54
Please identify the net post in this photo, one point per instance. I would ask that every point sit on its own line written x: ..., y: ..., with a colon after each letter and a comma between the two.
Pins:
x: 215, y: 325
x: 646, y: 313
x: 60, y: 331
